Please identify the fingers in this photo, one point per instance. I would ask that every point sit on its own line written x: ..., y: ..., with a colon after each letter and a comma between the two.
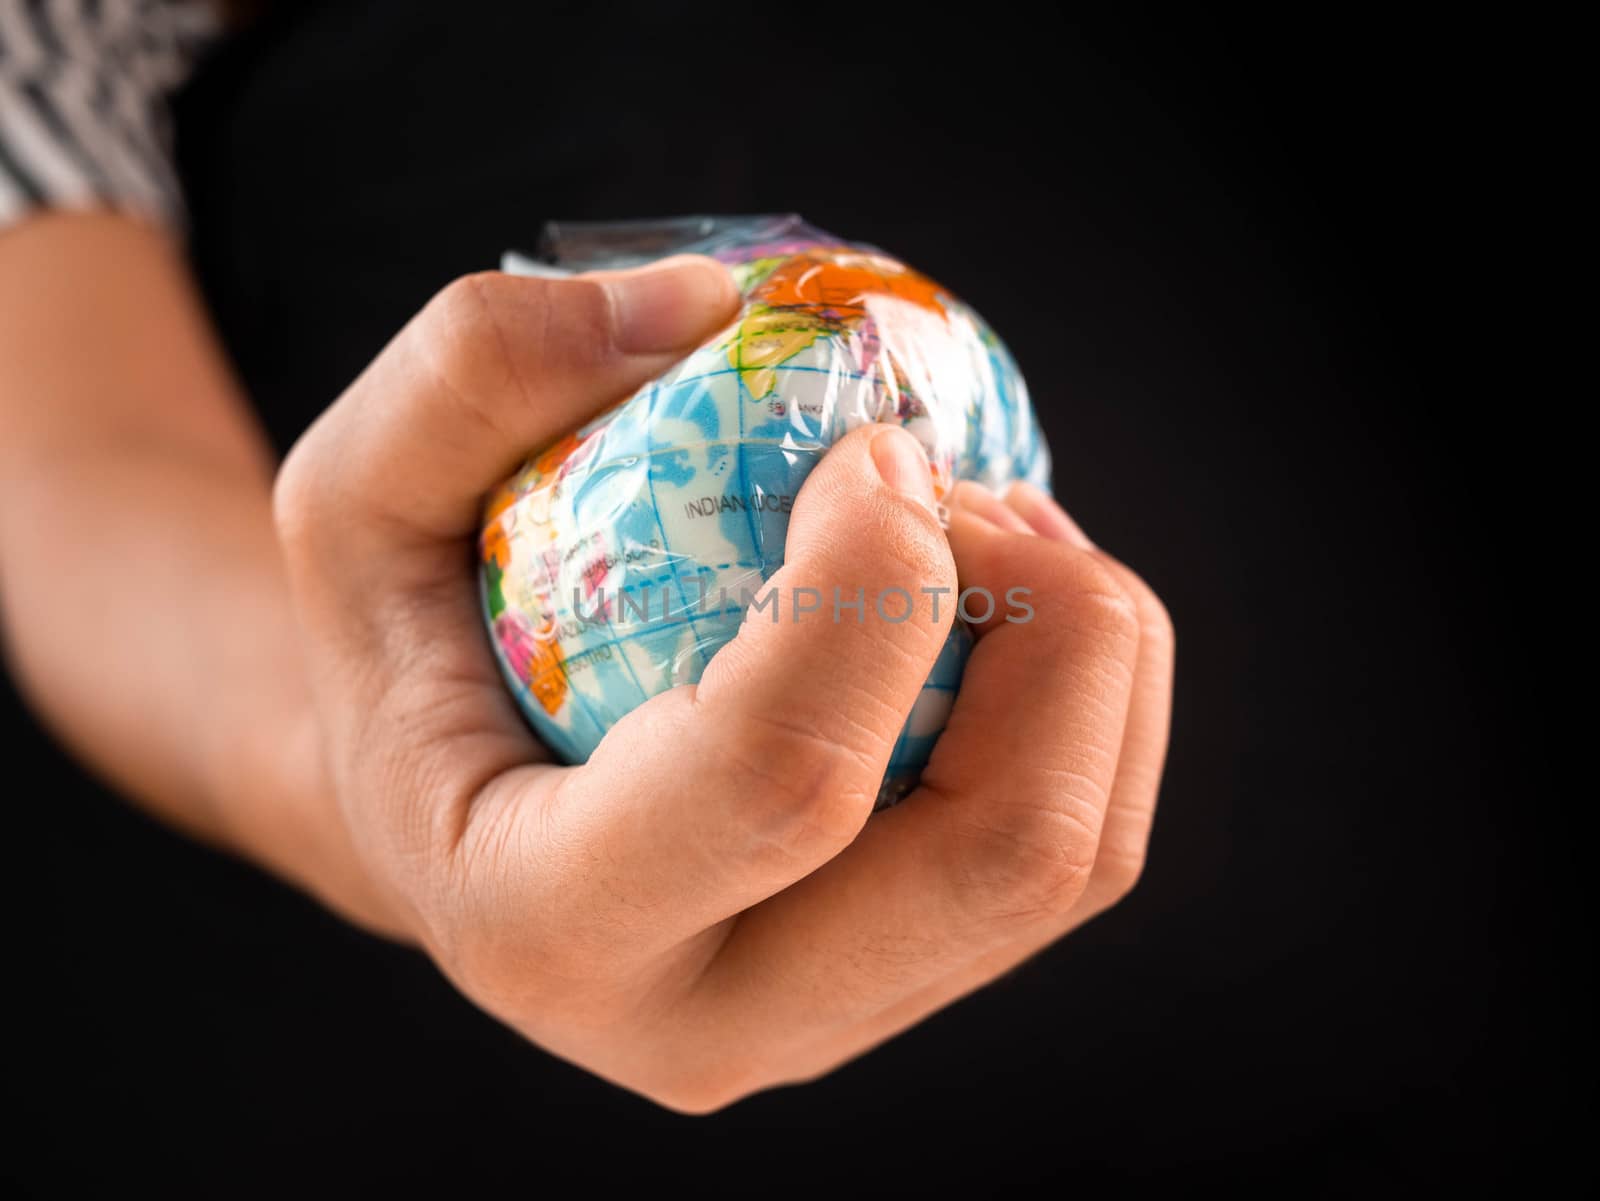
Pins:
x: 1043, y: 516
x: 709, y: 799
x: 1125, y: 836
x: 1002, y: 838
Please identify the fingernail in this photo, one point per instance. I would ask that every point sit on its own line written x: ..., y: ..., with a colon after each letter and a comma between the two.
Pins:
x: 981, y: 502
x: 1048, y: 519
x: 903, y: 465
x: 670, y: 305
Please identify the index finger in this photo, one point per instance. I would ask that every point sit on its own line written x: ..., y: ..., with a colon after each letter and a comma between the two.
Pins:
x: 1002, y: 836
x: 710, y: 798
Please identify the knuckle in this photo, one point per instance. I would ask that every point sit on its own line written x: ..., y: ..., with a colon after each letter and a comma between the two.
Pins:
x: 800, y: 794
x: 1028, y: 860
x: 1100, y: 605
x: 296, y: 503
x: 1085, y: 606
x: 578, y: 331
x: 459, y: 336
x: 1156, y: 631
x: 457, y: 309
x: 489, y: 331
x: 1117, y: 873
x: 1155, y: 622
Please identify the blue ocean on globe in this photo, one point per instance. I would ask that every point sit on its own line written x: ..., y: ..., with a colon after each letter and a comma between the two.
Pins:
x: 618, y: 560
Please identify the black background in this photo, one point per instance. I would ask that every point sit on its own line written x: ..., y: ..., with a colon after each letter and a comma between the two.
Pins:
x: 1221, y: 254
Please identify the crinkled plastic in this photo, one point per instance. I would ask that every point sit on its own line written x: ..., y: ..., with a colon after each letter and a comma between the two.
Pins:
x: 620, y: 558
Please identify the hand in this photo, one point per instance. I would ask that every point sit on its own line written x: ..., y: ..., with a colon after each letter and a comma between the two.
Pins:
x: 704, y: 910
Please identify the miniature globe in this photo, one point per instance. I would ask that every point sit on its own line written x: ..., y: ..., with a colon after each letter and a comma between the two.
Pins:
x: 618, y: 560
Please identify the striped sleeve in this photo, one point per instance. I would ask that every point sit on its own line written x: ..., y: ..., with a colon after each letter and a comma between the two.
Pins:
x: 84, y: 86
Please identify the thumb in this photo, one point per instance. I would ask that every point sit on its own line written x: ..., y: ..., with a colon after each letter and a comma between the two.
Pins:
x: 492, y: 367
x: 376, y: 502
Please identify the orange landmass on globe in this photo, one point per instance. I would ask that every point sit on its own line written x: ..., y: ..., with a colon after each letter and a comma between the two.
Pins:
x: 840, y: 283
x: 546, y: 678
x: 810, y: 295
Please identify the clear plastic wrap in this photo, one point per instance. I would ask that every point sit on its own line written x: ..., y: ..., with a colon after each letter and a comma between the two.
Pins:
x: 620, y: 558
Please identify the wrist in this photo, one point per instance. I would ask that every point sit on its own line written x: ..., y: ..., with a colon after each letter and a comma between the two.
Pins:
x: 279, y: 808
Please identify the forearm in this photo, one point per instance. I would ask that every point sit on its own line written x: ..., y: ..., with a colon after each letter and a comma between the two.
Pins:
x: 145, y: 619
x: 144, y: 605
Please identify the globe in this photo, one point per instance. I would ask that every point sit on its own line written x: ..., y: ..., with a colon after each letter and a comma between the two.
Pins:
x: 618, y: 560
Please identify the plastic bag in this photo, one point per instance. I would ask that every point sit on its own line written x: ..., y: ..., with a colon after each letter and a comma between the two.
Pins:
x: 619, y: 559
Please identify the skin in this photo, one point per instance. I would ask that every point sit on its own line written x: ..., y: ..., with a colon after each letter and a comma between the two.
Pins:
x: 290, y: 663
